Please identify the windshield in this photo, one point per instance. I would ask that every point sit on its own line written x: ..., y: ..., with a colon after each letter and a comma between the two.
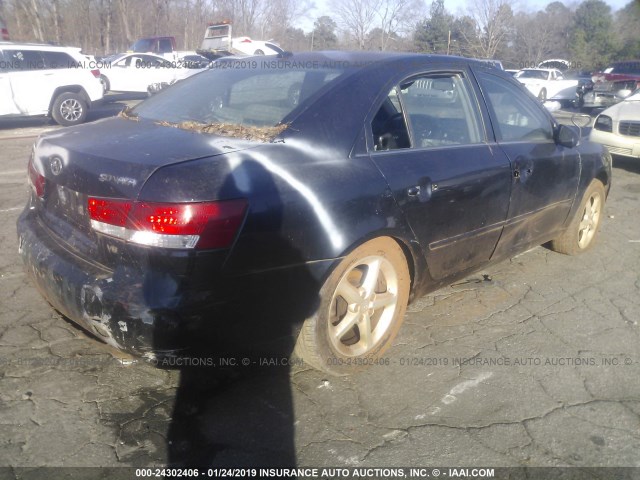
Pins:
x: 262, y: 96
x: 625, y: 67
x: 537, y: 74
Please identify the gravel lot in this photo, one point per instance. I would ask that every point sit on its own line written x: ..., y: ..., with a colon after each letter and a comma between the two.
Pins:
x: 531, y: 362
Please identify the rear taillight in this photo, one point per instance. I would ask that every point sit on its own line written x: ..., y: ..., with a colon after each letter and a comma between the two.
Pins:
x: 5, y: 34
x: 204, y: 225
x: 96, y: 73
x: 36, y: 181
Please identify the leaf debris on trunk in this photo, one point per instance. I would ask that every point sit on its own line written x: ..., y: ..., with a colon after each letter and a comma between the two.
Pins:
x: 127, y: 112
x: 247, y: 132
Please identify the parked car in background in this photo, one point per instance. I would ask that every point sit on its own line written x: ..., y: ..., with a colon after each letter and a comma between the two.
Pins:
x: 156, y: 45
x: 134, y: 72
x: 47, y: 80
x: 613, y: 84
x: 585, y: 84
x: 219, y: 42
x: 618, y: 127
x: 174, y: 223
x: 4, y: 33
x: 194, y: 62
x: 162, y: 46
x: 548, y: 84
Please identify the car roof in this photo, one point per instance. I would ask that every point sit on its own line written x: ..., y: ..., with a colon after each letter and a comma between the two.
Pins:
x: 39, y: 46
x: 361, y: 58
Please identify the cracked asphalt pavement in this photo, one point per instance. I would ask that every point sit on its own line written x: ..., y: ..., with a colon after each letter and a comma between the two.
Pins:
x: 531, y: 362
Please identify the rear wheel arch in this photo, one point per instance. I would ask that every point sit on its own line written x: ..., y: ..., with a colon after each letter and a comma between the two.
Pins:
x: 363, y: 301
x: 410, y: 254
x: 69, y: 89
x: 603, y: 176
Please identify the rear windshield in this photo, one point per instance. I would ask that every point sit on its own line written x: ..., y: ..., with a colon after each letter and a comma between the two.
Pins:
x: 262, y: 96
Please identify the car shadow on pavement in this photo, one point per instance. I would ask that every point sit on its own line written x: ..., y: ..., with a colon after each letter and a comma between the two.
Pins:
x: 629, y: 164
x: 233, y: 406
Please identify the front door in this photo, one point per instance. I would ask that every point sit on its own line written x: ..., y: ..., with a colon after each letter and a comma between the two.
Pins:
x: 545, y: 175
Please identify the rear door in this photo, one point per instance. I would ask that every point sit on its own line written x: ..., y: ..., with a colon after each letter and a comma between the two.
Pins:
x: 430, y: 144
x: 30, y: 80
x: 7, y: 105
x: 544, y: 175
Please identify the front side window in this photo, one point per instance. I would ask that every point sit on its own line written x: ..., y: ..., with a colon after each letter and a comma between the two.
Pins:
x: 518, y: 117
x: 58, y: 60
x: 426, y: 111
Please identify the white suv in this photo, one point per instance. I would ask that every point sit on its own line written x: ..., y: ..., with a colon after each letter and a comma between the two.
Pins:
x: 47, y: 80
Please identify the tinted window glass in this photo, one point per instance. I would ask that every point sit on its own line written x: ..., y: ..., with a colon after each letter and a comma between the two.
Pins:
x: 626, y: 67
x: 438, y: 109
x: 519, y: 117
x: 24, y: 60
x: 388, y: 126
x: 143, y: 45
x: 165, y: 45
x: 58, y: 60
x: 249, y: 96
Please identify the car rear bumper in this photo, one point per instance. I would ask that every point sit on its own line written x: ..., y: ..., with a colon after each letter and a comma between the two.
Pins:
x: 115, y: 306
x: 152, y: 313
x: 598, y: 99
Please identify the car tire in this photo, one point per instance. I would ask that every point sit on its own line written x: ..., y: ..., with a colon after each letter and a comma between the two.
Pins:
x: 543, y: 95
x: 581, y: 234
x: 106, y: 86
x: 375, y: 272
x: 258, y: 52
x: 69, y: 109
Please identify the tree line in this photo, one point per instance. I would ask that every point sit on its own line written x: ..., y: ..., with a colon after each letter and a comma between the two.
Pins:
x: 588, y: 34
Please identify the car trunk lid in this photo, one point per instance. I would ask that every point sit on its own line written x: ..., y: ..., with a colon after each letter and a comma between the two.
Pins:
x: 110, y: 159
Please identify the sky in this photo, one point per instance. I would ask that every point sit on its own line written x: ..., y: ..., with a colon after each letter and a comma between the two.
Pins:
x: 454, y: 6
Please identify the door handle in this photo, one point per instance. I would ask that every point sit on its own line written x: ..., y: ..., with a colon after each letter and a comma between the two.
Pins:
x: 414, y: 191
x: 422, y: 191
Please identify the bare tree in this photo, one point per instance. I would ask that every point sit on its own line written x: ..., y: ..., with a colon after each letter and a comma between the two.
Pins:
x: 356, y: 17
x: 123, y: 7
x: 494, y: 21
x: 396, y: 16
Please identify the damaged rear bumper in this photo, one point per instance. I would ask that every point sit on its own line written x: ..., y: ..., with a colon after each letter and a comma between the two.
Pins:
x: 156, y: 313
x: 132, y: 310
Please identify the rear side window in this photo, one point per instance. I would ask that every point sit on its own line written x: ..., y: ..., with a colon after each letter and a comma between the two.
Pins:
x: 517, y: 117
x: 259, y: 97
x: 425, y: 111
x: 24, y: 60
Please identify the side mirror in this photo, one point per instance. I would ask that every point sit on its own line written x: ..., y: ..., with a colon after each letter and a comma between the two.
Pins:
x: 568, y: 136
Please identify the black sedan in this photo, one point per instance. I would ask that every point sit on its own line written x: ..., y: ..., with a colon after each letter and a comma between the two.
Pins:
x: 312, y: 194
